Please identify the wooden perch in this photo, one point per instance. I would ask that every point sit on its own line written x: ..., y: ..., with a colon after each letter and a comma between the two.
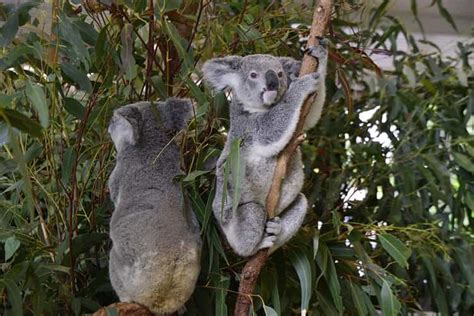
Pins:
x: 251, y: 271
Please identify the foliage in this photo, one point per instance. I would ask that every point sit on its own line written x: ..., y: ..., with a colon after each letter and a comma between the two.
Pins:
x: 389, y: 170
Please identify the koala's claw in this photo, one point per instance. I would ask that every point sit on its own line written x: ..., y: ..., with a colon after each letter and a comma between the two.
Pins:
x: 323, y: 41
x: 273, y: 226
x: 318, y: 51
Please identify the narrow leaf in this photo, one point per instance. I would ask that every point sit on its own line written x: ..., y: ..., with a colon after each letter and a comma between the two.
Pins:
x: 37, y: 97
x: 396, y: 249
x: 358, y: 299
x: 74, y: 107
x: 14, y: 297
x: 69, y: 157
x: 20, y: 121
x: 11, y: 246
x: 464, y: 161
x: 193, y: 175
x: 76, y: 76
x: 303, y: 269
x: 237, y: 171
x: 390, y: 304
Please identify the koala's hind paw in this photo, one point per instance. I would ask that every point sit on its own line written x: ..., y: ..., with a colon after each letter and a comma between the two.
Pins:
x: 268, y: 241
x: 273, y: 226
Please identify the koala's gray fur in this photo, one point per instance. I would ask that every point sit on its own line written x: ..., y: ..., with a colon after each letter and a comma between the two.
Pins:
x: 267, y: 98
x: 155, y: 258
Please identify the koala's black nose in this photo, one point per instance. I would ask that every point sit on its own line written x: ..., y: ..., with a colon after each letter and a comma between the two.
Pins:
x: 271, y: 80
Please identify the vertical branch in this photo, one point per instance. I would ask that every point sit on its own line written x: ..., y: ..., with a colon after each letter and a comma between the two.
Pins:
x: 150, y: 51
x: 252, y: 269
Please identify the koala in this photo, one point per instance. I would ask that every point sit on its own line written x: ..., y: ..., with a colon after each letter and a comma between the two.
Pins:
x: 156, y: 246
x: 267, y: 97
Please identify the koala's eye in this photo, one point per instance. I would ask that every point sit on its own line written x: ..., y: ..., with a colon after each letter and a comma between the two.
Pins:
x: 253, y: 75
x: 280, y: 74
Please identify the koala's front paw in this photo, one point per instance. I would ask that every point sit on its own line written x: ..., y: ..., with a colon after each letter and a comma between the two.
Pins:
x: 319, y: 51
x: 307, y: 84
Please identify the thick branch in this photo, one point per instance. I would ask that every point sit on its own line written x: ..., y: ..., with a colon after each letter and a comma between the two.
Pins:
x: 251, y: 271
x: 124, y: 309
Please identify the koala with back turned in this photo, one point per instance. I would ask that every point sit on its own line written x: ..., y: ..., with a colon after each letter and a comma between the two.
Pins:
x: 155, y: 257
x: 267, y: 98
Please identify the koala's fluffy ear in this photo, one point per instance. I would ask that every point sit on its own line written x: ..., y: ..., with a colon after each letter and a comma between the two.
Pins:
x: 291, y: 67
x: 176, y: 113
x: 124, y: 126
x: 221, y: 73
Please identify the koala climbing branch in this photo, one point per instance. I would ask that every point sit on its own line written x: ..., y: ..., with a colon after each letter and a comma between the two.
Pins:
x: 251, y: 271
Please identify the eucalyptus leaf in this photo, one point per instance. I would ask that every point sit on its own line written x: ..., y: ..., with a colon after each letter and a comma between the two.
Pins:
x: 395, y: 248
x: 38, y: 100
x: 11, y: 246
x: 390, y: 304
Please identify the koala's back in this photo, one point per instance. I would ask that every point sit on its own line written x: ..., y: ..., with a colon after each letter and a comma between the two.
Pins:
x: 155, y: 257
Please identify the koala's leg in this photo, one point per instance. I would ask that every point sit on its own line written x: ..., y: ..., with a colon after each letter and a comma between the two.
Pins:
x: 291, y: 221
x: 245, y: 230
x: 321, y: 53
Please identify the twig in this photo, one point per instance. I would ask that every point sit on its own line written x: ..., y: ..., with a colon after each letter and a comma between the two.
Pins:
x: 251, y: 271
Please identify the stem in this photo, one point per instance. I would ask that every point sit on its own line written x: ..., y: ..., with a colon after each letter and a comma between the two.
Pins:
x: 252, y: 269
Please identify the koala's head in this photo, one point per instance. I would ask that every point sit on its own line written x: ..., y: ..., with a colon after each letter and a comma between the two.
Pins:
x: 257, y: 81
x: 139, y: 125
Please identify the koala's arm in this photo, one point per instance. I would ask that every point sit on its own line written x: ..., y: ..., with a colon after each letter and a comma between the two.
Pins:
x: 314, y: 114
x: 276, y: 127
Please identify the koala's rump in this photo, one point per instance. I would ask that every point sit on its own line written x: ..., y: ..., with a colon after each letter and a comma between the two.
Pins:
x: 154, y: 261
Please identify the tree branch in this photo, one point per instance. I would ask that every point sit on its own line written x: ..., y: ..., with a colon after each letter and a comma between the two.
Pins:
x: 251, y: 271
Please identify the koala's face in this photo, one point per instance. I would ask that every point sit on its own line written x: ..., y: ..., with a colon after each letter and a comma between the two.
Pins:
x: 263, y: 82
x: 257, y: 81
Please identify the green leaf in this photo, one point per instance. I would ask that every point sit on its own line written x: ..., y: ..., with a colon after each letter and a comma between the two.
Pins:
x: 128, y: 65
x: 9, y: 30
x: 236, y: 167
x: 180, y: 45
x: 358, y: 298
x: 20, y: 121
x: 194, y: 174
x: 303, y: 269
x: 11, y: 246
x: 268, y: 311
x: 159, y: 86
x: 74, y: 107
x: 163, y: 6
x: 464, y: 161
x: 390, y: 304
x: 445, y: 14
x: 68, y: 161
x: 222, y: 286
x: 76, y: 76
x: 37, y: 97
x: 396, y: 249
x: 14, y: 297
x: 328, y: 269
x: 70, y: 33
x: 469, y: 199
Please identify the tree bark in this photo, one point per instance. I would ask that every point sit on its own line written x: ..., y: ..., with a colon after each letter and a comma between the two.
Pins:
x: 252, y: 268
x: 125, y: 309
